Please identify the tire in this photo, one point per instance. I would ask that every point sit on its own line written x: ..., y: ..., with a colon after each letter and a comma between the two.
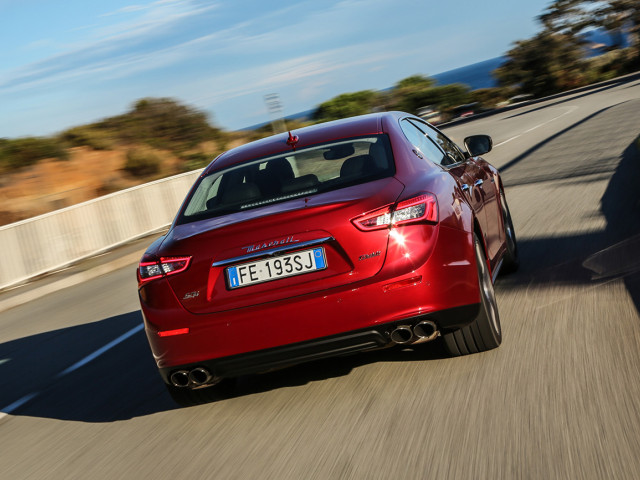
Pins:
x: 484, y: 332
x: 511, y: 261
x: 186, y: 397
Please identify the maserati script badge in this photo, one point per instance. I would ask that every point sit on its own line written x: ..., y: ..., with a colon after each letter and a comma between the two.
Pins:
x: 275, y: 243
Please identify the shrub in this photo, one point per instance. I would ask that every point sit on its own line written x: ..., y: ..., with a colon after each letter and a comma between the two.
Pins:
x: 142, y: 163
x: 195, y: 161
x: 23, y: 152
x: 87, y: 136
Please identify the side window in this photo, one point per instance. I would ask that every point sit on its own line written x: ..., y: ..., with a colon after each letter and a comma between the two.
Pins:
x: 453, y: 152
x: 422, y: 142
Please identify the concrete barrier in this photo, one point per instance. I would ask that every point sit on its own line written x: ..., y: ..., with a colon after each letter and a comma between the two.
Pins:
x: 52, y: 241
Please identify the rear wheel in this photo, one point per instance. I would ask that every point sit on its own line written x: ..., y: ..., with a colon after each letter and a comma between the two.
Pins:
x: 484, y: 333
x: 511, y: 261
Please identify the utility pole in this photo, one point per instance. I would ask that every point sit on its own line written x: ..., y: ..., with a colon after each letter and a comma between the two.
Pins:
x: 274, y: 106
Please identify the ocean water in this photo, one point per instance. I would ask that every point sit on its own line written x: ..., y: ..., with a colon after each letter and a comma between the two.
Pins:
x: 477, y: 75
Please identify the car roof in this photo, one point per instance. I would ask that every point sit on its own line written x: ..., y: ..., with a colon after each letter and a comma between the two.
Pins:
x: 370, y: 124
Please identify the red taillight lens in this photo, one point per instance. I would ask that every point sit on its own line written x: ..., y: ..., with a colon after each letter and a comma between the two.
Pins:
x: 421, y: 208
x: 375, y: 220
x: 171, y: 265
x: 148, y: 271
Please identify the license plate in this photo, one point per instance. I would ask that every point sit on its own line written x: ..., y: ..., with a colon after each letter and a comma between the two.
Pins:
x: 275, y: 268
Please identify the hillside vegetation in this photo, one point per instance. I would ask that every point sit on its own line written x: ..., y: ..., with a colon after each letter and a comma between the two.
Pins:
x: 158, y: 137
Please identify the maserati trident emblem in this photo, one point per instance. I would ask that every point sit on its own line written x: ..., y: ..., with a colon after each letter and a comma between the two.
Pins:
x: 261, y: 246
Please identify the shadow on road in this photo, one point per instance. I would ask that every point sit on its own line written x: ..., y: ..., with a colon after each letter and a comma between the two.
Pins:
x: 333, y: 367
x: 542, y: 174
x: 590, y: 259
x: 124, y: 383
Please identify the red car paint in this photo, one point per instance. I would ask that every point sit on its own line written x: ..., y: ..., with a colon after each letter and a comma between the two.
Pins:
x: 374, y: 280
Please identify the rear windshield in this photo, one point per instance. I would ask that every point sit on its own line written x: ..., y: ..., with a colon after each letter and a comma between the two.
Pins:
x: 298, y: 173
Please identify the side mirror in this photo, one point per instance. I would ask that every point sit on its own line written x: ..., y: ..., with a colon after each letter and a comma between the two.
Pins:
x: 478, y: 144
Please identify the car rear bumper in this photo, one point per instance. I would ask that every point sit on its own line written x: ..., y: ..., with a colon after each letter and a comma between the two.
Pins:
x: 371, y: 338
x: 353, y: 317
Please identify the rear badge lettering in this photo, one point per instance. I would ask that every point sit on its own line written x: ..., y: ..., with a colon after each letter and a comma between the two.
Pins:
x: 369, y: 255
x: 191, y: 295
x: 275, y: 243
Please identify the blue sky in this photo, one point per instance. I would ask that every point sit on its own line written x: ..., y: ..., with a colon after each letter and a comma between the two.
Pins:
x: 69, y: 63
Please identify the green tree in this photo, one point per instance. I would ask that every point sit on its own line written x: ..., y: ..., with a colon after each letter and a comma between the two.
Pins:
x: 545, y: 64
x: 407, y: 94
x: 414, y: 83
x: 443, y: 97
x: 416, y: 91
x: 618, y: 17
x: 347, y: 105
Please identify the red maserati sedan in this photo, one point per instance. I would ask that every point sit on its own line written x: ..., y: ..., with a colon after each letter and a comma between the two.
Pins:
x: 341, y: 237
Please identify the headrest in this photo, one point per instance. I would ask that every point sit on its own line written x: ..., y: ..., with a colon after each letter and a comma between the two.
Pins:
x: 358, y: 166
x: 244, y: 192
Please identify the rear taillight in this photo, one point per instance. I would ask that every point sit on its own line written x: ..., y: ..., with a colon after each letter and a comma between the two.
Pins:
x: 416, y: 209
x: 151, y: 270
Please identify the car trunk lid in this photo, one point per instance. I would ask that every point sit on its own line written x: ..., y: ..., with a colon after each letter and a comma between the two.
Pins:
x: 315, y: 225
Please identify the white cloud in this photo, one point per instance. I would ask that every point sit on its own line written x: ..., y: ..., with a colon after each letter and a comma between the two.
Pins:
x: 113, y: 46
x: 305, y: 76
x: 156, y: 16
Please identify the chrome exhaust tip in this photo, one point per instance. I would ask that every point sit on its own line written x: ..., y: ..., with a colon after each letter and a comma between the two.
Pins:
x: 199, y: 376
x: 426, y: 330
x: 180, y: 378
x: 402, y: 334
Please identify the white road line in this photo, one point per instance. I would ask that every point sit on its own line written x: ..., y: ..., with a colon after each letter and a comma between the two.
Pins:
x: 571, y: 109
x: 100, y: 351
x: 18, y: 403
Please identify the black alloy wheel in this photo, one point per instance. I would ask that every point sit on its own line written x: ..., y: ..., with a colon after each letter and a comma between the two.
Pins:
x: 484, y: 332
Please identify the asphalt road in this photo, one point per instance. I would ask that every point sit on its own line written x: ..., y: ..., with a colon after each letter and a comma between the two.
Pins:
x: 560, y: 399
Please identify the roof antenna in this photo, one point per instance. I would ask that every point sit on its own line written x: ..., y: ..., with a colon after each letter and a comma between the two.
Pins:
x: 292, y: 140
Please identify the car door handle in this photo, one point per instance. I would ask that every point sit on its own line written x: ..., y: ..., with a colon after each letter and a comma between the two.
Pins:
x: 478, y: 182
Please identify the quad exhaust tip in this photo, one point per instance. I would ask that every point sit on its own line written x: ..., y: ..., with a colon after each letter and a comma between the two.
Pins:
x: 402, y: 334
x: 199, y: 376
x: 426, y: 330
x: 180, y: 378
x: 196, y: 377
x: 423, y: 331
